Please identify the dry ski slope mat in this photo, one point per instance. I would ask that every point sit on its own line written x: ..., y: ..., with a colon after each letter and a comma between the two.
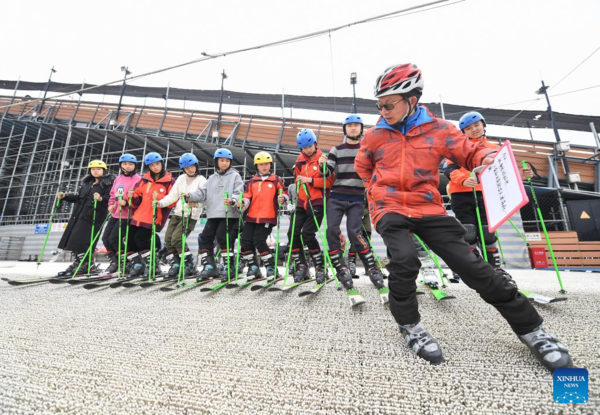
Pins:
x: 65, y: 349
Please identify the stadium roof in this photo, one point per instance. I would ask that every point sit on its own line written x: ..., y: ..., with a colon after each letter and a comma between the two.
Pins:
x: 513, y: 118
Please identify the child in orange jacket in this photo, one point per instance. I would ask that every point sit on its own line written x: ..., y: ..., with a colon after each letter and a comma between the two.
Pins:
x: 261, y: 203
x: 156, y: 183
x: 308, y: 176
x: 462, y: 199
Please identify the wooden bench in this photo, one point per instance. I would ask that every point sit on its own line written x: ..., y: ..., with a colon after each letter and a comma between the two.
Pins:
x: 568, y: 250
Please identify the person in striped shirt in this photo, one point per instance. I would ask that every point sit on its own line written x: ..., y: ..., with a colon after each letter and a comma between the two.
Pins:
x: 348, y: 198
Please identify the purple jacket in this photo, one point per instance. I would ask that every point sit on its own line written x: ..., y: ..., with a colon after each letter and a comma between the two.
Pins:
x: 122, y: 185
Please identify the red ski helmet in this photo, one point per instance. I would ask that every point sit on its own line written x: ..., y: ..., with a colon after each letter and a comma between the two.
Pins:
x: 399, y: 79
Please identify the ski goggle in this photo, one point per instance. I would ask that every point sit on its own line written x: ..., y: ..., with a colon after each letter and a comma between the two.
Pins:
x: 389, y: 106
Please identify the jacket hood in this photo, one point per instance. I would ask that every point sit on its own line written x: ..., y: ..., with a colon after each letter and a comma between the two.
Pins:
x: 420, y: 117
x: 106, y: 180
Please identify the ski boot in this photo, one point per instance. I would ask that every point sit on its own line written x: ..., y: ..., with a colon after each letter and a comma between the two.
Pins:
x: 253, y: 273
x: 272, y: 273
x: 508, y: 277
x: 427, y: 271
x: 547, y: 349
x: 429, y: 278
x: 301, y: 273
x: 190, y: 266
x: 352, y: 264
x: 151, y: 271
x: 421, y: 343
x: 320, y: 271
x: 162, y: 256
x: 376, y: 277
x: 343, y: 273
x: 137, y: 270
x: 493, y: 256
x: 174, y: 261
x: 209, y: 269
x: 345, y: 278
x: 70, y: 269
x: 113, y: 266
x: 92, y: 270
x: 455, y: 279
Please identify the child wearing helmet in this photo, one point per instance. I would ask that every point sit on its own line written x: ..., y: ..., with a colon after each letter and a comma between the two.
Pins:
x: 399, y: 163
x: 95, y: 185
x: 262, y: 201
x: 219, y: 194
x: 125, y: 181
x: 462, y: 199
x: 157, y: 183
x: 190, y: 181
x: 310, y: 183
x: 348, y: 198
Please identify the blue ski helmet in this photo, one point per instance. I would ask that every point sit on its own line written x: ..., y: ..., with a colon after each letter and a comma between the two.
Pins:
x: 470, y: 118
x: 152, y: 158
x: 187, y: 160
x: 128, y: 157
x: 305, y: 138
x: 223, y: 152
x: 353, y: 118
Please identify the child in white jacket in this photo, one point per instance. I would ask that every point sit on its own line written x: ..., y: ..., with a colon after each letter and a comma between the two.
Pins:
x: 186, y: 183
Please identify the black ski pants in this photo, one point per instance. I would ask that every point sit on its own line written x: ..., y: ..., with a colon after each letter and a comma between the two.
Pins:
x: 306, y: 227
x: 110, y: 237
x: 254, y: 237
x: 140, y: 239
x: 445, y: 236
x: 217, y: 228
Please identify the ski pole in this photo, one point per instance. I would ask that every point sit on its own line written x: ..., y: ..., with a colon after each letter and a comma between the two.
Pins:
x: 152, y: 261
x: 184, y: 230
x: 519, y: 232
x: 433, y: 258
x: 48, y: 232
x: 539, y: 211
x: 227, y: 238
x: 500, y: 248
x: 323, y: 240
x: 127, y: 230
x: 482, y: 240
x: 291, y: 241
x: 238, y: 243
x: 92, y: 235
x: 277, y: 238
x: 325, y: 247
x: 120, y: 240
x: 90, y: 247
x: 373, y: 249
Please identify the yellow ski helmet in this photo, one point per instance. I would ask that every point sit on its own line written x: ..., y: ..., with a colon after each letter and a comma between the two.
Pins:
x: 97, y: 163
x: 262, y: 157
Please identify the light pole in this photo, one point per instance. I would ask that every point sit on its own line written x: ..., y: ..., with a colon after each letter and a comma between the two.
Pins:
x: 216, y: 132
x: 560, y: 147
x: 52, y: 70
x: 353, y: 83
x: 125, y: 70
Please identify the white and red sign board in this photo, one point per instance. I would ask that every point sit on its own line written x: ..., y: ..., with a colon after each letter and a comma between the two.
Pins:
x: 502, y: 186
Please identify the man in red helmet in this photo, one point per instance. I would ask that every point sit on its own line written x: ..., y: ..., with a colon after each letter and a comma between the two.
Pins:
x: 399, y: 164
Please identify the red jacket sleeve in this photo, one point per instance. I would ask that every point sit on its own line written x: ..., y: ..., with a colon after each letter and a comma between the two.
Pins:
x: 363, y: 163
x: 462, y: 151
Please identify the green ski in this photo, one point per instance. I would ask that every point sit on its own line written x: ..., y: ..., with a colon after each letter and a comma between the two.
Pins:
x: 438, y: 294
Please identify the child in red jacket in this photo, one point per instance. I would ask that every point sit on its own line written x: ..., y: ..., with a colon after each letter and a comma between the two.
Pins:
x: 156, y: 183
x: 261, y: 202
x: 307, y: 174
x: 399, y: 163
